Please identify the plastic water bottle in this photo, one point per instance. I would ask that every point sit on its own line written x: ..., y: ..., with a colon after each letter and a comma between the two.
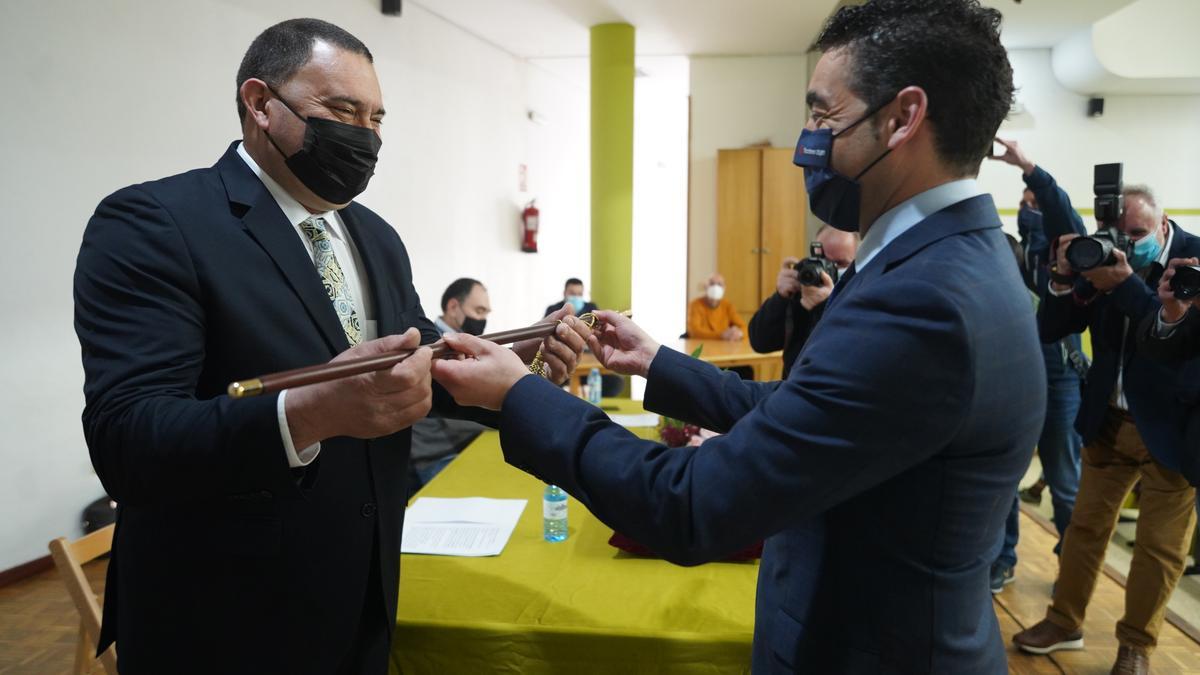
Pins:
x: 594, y: 386
x: 554, y: 512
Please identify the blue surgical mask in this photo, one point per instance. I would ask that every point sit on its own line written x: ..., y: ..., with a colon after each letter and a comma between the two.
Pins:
x: 832, y: 197
x: 1145, y: 251
x: 576, y: 302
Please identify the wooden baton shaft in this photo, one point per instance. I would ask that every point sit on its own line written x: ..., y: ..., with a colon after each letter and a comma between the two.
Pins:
x: 334, y: 370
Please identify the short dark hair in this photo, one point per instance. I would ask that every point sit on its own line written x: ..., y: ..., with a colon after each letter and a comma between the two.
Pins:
x: 458, y: 290
x: 279, y: 51
x: 572, y: 281
x: 949, y: 48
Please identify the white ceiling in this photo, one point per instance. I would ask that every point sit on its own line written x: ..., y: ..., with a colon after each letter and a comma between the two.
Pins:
x: 559, y: 28
x: 1045, y: 23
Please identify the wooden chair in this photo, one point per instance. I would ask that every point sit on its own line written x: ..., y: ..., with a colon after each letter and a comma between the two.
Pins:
x: 69, y: 558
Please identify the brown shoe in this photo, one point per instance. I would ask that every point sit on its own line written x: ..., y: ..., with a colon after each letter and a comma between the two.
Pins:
x: 1131, y: 661
x: 1045, y: 637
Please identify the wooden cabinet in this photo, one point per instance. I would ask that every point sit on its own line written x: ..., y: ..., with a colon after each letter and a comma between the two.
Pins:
x: 762, y: 216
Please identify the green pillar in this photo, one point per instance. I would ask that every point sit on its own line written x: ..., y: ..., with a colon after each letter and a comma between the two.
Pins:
x: 612, y: 165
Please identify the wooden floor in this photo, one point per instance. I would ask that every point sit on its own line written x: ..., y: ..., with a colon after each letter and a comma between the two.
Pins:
x: 1023, y: 603
x: 38, y: 623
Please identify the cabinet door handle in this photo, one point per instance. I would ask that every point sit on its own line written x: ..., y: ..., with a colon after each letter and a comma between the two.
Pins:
x: 756, y: 250
x: 765, y: 251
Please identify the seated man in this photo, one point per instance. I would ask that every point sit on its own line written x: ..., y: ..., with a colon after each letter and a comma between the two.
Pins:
x: 465, y: 308
x: 787, y: 317
x: 572, y: 295
x: 611, y: 385
x: 712, y: 316
x: 437, y: 440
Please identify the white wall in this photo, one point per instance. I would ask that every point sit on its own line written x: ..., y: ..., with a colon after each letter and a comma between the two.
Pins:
x: 1157, y: 137
x: 111, y: 92
x: 660, y: 180
x: 736, y: 101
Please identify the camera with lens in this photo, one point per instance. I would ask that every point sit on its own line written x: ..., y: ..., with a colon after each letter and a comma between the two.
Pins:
x: 1088, y: 253
x: 1186, y: 282
x: 809, y: 270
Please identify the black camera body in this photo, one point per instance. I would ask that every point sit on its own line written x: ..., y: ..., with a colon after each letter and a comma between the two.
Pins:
x: 1186, y: 282
x: 1088, y: 253
x: 809, y: 270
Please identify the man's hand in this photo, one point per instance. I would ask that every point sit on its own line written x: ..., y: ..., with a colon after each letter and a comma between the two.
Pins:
x: 1015, y: 156
x: 787, y: 282
x: 484, y: 376
x: 1173, y: 309
x: 368, y: 405
x: 811, y: 296
x: 732, y: 334
x: 560, y: 349
x: 621, y: 346
x: 1107, y: 277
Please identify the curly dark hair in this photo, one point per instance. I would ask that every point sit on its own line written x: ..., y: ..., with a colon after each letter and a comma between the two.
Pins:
x: 949, y: 48
x: 281, y: 50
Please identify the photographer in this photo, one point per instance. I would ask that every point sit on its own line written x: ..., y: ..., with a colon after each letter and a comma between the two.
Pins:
x: 1172, y: 337
x: 1129, y: 420
x: 1045, y: 208
x: 787, y: 317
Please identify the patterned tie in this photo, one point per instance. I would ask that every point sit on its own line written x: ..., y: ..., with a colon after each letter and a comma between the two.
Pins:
x: 333, y: 278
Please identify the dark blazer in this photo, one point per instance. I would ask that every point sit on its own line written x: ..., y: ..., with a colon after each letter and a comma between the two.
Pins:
x: 880, y: 472
x: 1175, y: 350
x: 1159, y: 396
x: 225, y: 559
x: 768, y: 327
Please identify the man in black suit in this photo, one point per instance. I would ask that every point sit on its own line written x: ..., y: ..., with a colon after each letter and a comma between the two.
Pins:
x: 789, y: 315
x: 258, y: 535
x: 573, y: 296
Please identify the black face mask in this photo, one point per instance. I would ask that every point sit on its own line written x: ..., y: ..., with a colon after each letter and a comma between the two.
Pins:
x: 336, y: 161
x: 472, y: 326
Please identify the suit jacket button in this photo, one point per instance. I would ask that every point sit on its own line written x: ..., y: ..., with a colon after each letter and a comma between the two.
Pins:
x: 368, y: 510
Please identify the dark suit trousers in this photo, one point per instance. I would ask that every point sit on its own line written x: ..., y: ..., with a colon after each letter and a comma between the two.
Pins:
x: 368, y: 654
x: 1111, y: 464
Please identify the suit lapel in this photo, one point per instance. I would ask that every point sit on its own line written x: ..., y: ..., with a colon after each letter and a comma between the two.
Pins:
x: 976, y: 213
x: 370, y: 250
x: 268, y: 226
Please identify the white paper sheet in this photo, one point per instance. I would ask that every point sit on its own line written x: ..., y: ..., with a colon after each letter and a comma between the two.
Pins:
x: 633, y: 421
x: 471, y: 527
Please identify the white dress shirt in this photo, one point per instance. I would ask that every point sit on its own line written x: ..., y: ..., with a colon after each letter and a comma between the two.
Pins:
x: 905, y: 215
x: 348, y: 259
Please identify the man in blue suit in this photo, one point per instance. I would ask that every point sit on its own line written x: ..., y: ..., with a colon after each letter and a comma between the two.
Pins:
x: 882, y: 469
x: 258, y: 535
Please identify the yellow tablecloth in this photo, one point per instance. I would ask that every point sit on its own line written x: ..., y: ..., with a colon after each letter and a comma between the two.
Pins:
x: 578, y: 606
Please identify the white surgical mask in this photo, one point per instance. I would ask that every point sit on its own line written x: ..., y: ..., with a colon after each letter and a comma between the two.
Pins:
x: 715, y: 292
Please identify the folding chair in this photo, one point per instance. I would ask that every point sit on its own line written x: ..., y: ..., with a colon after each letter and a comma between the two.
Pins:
x: 69, y: 558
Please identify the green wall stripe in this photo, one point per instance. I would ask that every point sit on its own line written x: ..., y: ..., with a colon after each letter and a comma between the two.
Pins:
x: 612, y: 70
x: 1089, y: 212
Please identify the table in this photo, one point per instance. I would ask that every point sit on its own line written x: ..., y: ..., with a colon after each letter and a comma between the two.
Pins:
x: 720, y: 353
x: 578, y: 606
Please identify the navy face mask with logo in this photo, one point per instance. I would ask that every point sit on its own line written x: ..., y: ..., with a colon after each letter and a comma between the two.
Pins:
x: 337, y: 159
x: 832, y: 197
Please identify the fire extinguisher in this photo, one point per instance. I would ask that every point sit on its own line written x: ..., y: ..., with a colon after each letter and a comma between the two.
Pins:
x: 529, y: 228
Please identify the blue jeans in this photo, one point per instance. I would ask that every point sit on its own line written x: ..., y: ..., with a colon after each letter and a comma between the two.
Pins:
x: 1058, y: 448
